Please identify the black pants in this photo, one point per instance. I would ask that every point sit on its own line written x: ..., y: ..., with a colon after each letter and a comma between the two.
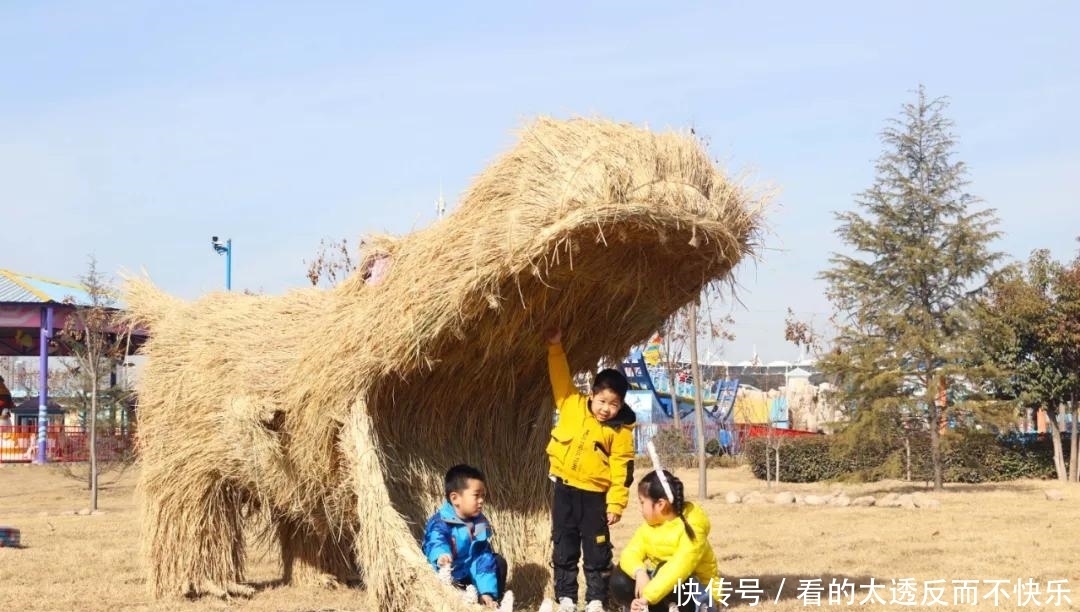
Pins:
x: 579, y: 530
x: 500, y: 577
x: 622, y: 593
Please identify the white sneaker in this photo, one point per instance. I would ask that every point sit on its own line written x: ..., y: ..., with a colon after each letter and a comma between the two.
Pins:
x: 470, y: 596
x: 594, y: 606
x: 446, y: 575
x: 567, y: 605
x: 507, y: 603
x: 547, y: 606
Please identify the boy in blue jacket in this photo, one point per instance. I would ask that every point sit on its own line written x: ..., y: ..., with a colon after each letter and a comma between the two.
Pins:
x: 457, y: 540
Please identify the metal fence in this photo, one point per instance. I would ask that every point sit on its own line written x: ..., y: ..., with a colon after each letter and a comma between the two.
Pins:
x: 63, y: 443
x: 730, y: 437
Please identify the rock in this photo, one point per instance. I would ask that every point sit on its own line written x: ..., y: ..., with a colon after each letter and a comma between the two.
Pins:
x: 800, y: 500
x: 906, y: 501
x: 84, y: 512
x: 1054, y: 495
x: 815, y: 500
x: 753, y: 497
x: 841, y: 501
x: 784, y: 499
x: 865, y: 500
x: 733, y: 497
x: 889, y: 501
x: 923, y: 501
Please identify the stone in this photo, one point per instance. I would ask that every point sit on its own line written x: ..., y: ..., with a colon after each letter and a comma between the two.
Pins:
x: 923, y: 501
x: 733, y: 497
x: 1054, y: 495
x: 753, y: 497
x: 784, y: 498
x: 889, y: 501
x: 841, y: 501
x: 815, y: 500
x: 864, y: 501
x: 906, y: 501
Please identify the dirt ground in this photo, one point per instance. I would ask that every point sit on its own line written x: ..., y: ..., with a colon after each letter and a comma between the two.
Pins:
x: 979, y: 535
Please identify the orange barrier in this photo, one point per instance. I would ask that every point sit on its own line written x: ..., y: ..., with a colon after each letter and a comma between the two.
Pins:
x: 63, y: 443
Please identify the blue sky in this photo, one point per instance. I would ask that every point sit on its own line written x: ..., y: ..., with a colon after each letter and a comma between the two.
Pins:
x: 134, y: 131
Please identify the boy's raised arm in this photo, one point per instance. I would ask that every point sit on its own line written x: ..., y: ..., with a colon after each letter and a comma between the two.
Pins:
x: 562, y: 385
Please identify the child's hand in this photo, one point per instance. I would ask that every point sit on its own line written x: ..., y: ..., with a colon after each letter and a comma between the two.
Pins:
x: 639, y: 605
x: 553, y: 336
x: 444, y: 560
x: 641, y: 580
x: 488, y: 601
x: 612, y: 518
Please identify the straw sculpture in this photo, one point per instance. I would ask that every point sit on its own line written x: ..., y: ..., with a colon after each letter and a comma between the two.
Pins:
x: 324, y: 419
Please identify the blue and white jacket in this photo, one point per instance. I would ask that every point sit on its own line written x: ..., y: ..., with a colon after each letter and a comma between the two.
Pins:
x: 468, y: 543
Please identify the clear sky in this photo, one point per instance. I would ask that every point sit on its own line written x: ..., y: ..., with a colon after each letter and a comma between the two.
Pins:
x: 134, y: 131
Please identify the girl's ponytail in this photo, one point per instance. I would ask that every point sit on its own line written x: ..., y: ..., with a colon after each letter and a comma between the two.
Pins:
x: 679, y: 504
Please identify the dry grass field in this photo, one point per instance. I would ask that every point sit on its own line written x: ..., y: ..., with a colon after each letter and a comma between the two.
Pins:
x: 1007, y: 532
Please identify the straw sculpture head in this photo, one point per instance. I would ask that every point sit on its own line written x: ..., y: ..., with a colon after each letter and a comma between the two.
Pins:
x: 323, y: 420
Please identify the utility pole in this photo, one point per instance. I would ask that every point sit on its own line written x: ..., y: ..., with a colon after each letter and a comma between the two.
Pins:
x: 699, y: 409
x: 224, y: 249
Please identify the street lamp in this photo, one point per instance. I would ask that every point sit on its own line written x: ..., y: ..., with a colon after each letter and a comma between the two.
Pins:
x: 225, y: 249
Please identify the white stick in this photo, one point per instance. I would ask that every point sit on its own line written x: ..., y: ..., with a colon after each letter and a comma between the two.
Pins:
x: 659, y: 470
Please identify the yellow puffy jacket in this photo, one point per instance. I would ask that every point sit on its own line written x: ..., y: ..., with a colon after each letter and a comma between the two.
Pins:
x: 681, y: 557
x: 585, y: 453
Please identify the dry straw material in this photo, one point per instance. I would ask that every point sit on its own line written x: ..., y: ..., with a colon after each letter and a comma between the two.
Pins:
x: 323, y: 420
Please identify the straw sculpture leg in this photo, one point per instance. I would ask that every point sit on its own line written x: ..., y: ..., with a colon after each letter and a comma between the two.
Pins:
x: 397, y: 574
x: 312, y: 558
x: 196, y: 532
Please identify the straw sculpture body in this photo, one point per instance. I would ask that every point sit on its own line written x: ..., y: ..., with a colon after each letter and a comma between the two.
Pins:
x: 324, y: 419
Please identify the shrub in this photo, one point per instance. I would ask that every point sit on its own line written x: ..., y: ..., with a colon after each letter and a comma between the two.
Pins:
x: 969, y: 457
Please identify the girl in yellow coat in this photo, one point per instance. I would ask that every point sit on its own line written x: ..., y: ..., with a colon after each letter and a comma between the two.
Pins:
x: 669, y: 563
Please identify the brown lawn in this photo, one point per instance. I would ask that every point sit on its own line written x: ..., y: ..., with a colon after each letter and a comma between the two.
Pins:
x: 982, y: 533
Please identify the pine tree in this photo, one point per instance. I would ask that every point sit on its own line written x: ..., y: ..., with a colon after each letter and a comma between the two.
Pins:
x: 903, y: 299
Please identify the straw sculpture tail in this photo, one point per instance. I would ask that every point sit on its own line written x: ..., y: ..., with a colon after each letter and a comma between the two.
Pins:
x: 325, y: 419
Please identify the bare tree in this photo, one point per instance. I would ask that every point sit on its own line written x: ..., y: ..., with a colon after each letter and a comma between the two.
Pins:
x: 333, y: 262
x: 675, y: 336
x: 96, y: 343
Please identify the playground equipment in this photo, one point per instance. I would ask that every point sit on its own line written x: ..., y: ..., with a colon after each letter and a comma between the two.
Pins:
x: 731, y: 417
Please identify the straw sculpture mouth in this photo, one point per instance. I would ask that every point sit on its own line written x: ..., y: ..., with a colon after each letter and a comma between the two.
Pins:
x: 318, y: 412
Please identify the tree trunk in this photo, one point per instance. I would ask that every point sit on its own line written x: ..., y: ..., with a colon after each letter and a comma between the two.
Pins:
x: 673, y: 381
x: 1055, y: 435
x: 768, y: 462
x: 907, y: 458
x: 934, y: 416
x: 778, y: 464
x: 93, y: 439
x: 699, y: 408
x: 1074, y: 440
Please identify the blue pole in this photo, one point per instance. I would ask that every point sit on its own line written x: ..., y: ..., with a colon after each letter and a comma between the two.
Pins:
x: 43, y: 382
x: 228, y: 264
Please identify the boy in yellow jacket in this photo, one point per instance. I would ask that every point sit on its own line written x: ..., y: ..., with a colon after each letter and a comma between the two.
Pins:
x: 592, y: 465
